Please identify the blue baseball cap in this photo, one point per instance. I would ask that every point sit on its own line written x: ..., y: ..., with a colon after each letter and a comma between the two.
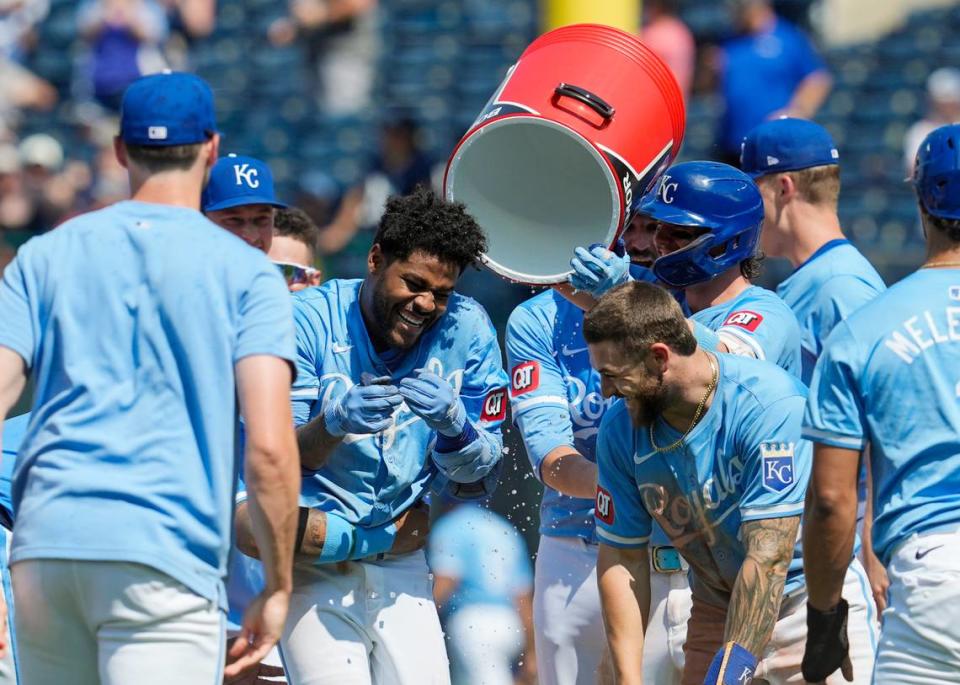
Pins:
x: 787, y: 144
x: 170, y: 108
x: 236, y: 180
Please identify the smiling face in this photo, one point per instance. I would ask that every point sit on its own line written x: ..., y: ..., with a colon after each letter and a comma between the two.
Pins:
x: 640, y: 383
x: 638, y: 240
x: 406, y: 296
x: 253, y: 224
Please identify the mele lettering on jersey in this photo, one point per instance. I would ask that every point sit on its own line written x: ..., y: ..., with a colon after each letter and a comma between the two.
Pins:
x: 922, y: 332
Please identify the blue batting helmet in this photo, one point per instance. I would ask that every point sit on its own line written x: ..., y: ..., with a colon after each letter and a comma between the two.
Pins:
x: 936, y: 174
x: 712, y: 196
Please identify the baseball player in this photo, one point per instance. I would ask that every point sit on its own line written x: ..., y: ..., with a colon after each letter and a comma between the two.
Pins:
x: 708, y: 446
x: 294, y: 248
x: 887, y: 378
x: 557, y: 405
x: 239, y: 197
x: 796, y: 165
x: 483, y: 588
x: 708, y: 219
x: 122, y: 491
x: 14, y: 430
x: 399, y: 382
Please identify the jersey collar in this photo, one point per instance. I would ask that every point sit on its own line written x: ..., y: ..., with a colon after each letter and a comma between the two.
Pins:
x: 822, y: 250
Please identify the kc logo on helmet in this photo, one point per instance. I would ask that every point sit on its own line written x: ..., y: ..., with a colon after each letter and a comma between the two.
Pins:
x: 604, y: 504
x: 495, y: 406
x: 668, y: 190
x: 525, y: 377
x: 777, y: 462
x: 744, y: 319
x: 246, y: 175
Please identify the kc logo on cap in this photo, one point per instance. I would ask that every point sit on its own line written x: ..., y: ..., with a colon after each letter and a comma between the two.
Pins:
x: 237, y: 180
x: 246, y: 175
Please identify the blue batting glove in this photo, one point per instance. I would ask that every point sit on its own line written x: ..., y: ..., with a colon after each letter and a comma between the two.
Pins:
x: 435, y: 401
x: 362, y: 409
x: 598, y: 270
x: 732, y: 665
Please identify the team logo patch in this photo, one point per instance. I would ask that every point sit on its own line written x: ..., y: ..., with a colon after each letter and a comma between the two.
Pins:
x: 495, y: 405
x: 777, y: 462
x: 744, y: 319
x: 525, y: 377
x: 604, y: 506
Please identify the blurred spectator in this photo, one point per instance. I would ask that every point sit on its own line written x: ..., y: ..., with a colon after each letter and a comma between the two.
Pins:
x: 17, y: 21
x: 771, y: 69
x: 665, y: 34
x: 50, y: 186
x: 483, y: 587
x: 124, y: 39
x: 943, y: 94
x: 15, y: 209
x: 399, y: 167
x: 342, y: 42
x: 189, y: 20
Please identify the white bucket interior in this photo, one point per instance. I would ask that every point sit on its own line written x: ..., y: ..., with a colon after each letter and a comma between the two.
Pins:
x: 539, y: 190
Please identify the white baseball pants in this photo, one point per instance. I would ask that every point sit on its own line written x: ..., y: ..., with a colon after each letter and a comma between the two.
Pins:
x: 364, y: 623
x: 483, y: 642
x: 113, y: 623
x: 920, y: 639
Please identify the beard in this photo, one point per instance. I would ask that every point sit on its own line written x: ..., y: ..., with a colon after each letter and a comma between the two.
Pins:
x: 647, y: 403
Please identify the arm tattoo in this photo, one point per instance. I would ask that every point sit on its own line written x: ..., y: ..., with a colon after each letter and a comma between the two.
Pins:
x: 758, y: 591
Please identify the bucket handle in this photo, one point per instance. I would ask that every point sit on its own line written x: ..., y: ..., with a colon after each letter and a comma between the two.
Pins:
x: 591, y: 100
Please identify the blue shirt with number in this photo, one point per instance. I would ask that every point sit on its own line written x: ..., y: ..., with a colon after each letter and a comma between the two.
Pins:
x: 744, y: 461
x: 371, y: 479
x: 757, y: 321
x: 131, y: 320
x: 823, y: 291
x: 890, y: 376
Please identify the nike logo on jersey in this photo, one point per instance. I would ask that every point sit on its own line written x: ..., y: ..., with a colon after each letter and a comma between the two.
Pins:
x: 570, y: 351
x: 921, y: 555
x: 340, y: 348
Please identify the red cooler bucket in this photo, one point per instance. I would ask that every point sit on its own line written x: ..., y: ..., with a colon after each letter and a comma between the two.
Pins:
x: 583, y: 124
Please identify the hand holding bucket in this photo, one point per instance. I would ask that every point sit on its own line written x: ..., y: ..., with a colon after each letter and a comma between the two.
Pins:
x: 583, y: 124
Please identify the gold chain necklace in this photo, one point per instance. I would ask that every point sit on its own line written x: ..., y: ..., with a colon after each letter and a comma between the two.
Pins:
x: 941, y: 265
x: 696, y: 414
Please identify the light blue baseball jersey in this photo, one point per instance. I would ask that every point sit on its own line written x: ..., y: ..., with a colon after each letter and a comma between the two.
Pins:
x: 890, y: 376
x: 744, y: 461
x: 556, y: 400
x: 823, y: 291
x: 758, y: 320
x: 14, y: 432
x: 131, y: 320
x: 371, y: 479
x: 482, y: 551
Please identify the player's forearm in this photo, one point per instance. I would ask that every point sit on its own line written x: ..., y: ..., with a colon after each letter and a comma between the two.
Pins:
x: 315, y: 443
x: 13, y: 376
x: 829, y: 529
x: 569, y: 472
x: 623, y: 577
x: 273, y: 486
x: 758, y: 591
x: 524, y: 606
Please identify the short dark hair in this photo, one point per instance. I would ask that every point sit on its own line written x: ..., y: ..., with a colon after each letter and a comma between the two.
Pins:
x: 293, y: 222
x: 636, y: 315
x: 423, y: 221
x: 752, y: 267
x: 157, y: 158
x: 949, y: 227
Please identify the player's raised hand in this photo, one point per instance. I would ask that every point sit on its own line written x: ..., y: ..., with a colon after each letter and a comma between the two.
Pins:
x: 598, y: 270
x: 362, y: 409
x: 435, y: 401
x: 262, y: 627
